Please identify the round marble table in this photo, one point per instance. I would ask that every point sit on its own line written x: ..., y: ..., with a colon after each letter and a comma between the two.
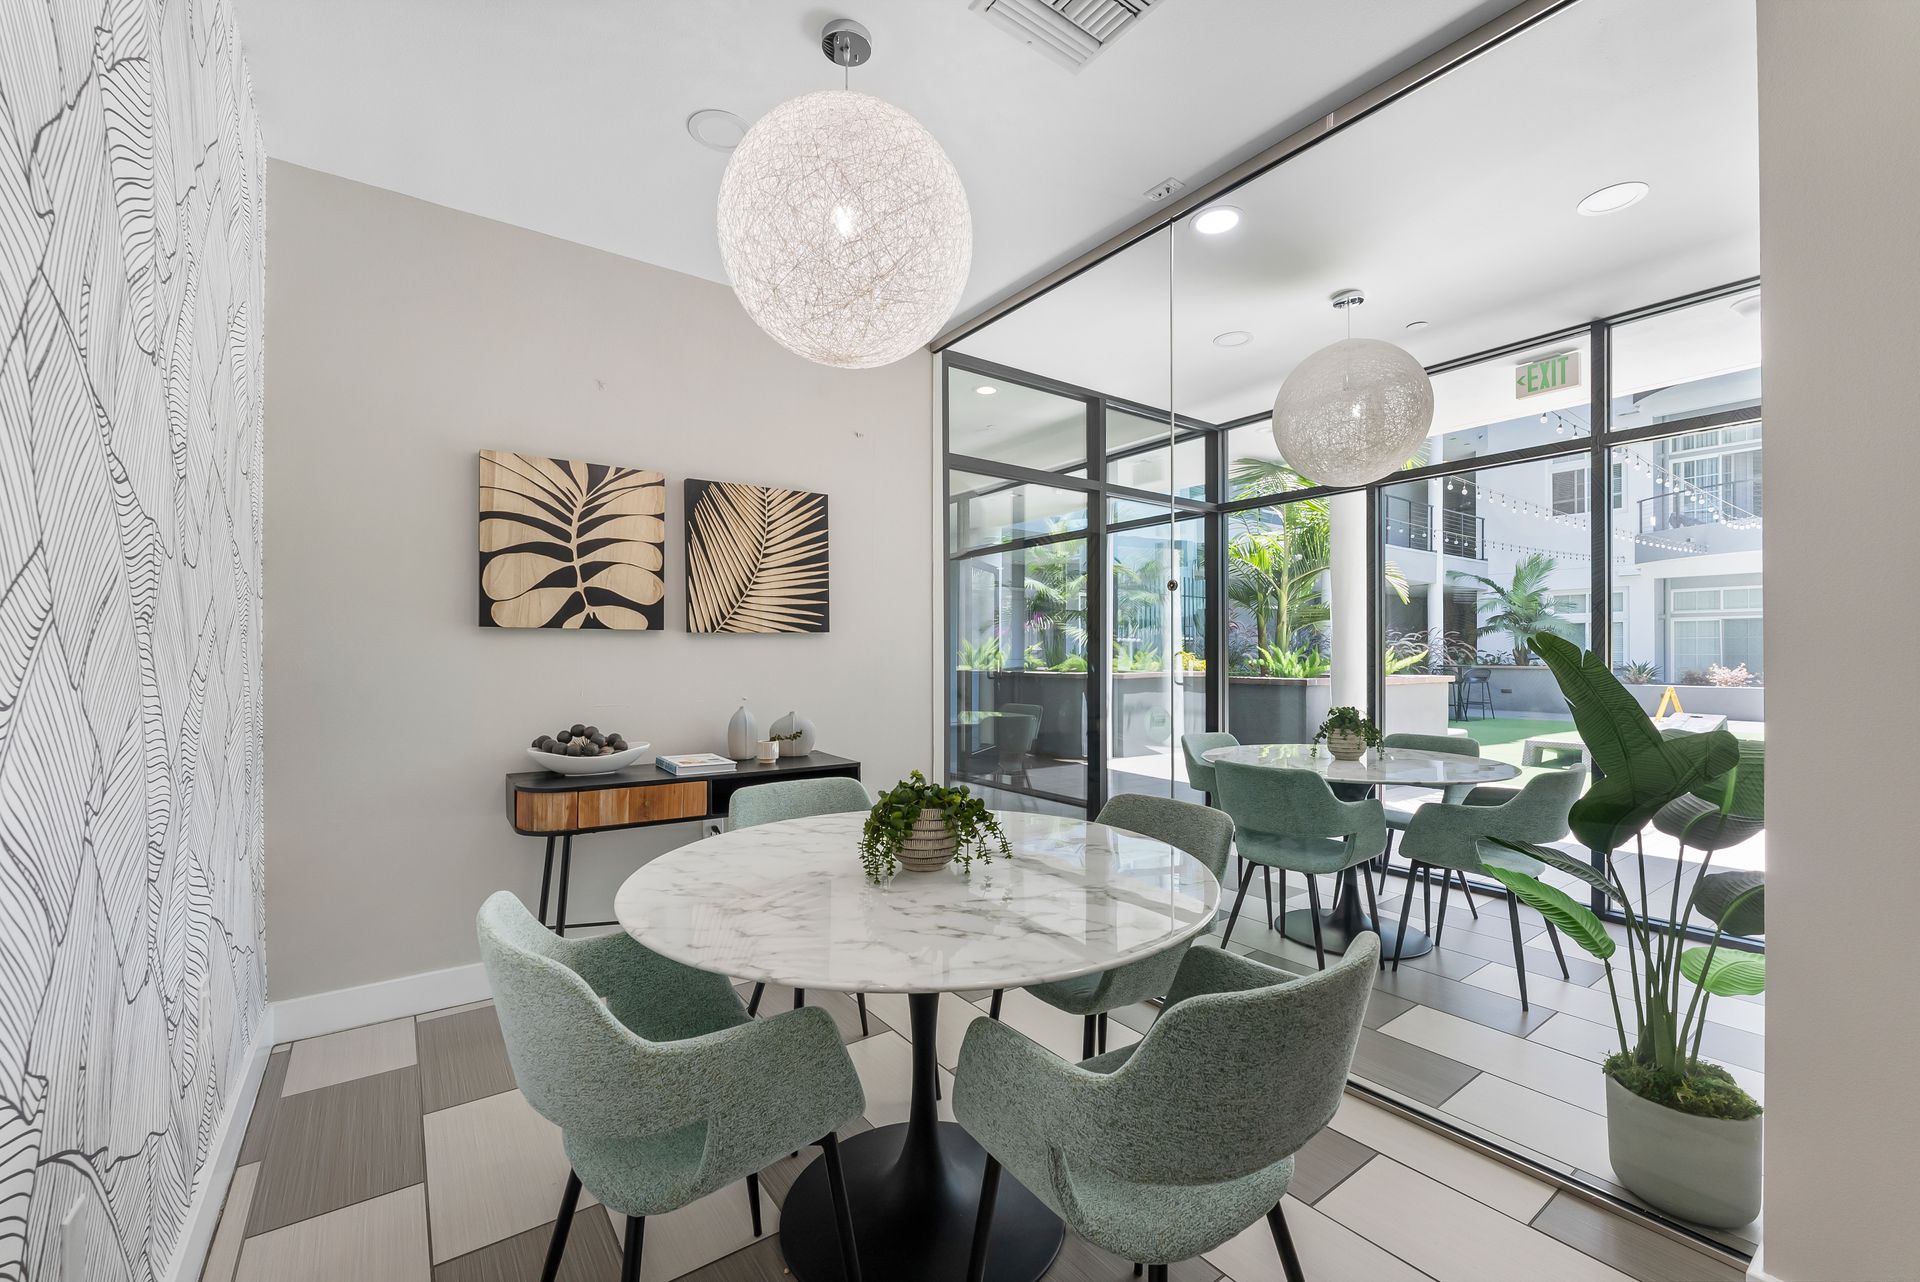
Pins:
x: 1381, y: 767
x: 788, y: 903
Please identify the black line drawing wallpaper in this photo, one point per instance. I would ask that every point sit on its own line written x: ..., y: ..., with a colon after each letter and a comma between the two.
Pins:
x: 132, y: 980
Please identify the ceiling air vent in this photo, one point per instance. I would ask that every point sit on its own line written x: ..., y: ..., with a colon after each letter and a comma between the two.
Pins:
x: 1070, y: 32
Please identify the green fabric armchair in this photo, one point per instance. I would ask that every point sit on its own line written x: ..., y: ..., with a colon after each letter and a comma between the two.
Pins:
x: 663, y: 1088
x: 1398, y: 819
x: 1202, y: 832
x: 1015, y: 731
x: 1199, y: 770
x: 766, y: 803
x: 1290, y: 820
x: 1163, y: 1150
x: 1460, y: 837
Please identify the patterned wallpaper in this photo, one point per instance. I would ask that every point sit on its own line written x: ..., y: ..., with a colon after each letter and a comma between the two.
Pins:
x: 131, y: 894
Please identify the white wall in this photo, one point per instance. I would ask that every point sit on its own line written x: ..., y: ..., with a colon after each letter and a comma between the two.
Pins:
x: 409, y: 337
x: 1839, y: 129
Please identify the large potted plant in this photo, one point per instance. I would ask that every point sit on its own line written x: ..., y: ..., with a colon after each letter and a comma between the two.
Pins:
x: 1681, y: 1133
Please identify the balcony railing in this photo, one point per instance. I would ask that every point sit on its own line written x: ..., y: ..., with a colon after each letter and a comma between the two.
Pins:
x: 1732, y: 503
x: 1411, y: 525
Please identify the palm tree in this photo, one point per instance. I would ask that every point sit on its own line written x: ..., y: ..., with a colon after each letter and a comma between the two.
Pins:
x: 1056, y: 588
x: 1523, y: 609
x: 1275, y: 573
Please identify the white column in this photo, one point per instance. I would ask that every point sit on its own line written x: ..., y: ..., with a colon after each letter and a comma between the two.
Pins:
x: 1839, y: 127
x: 1349, y: 587
x: 1437, y: 592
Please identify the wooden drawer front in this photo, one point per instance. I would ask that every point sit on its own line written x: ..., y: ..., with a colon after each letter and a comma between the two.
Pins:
x: 652, y: 803
x: 545, y: 811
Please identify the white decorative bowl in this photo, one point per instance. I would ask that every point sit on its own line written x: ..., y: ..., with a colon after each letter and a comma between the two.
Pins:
x: 561, y: 764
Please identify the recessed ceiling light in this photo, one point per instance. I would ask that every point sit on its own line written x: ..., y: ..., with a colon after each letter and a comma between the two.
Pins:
x: 985, y: 389
x: 1232, y: 338
x: 1611, y: 200
x: 1216, y: 219
x: 1746, y: 304
x: 716, y: 129
x: 1416, y: 324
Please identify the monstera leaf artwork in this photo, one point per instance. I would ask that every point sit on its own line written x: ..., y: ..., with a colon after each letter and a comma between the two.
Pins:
x: 570, y: 545
x: 756, y: 559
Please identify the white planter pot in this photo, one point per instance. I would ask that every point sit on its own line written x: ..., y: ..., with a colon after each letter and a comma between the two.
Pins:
x: 929, y: 847
x: 1345, y: 745
x: 1703, y: 1169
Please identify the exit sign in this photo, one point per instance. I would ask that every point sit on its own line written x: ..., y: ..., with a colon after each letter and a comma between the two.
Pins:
x: 1548, y: 374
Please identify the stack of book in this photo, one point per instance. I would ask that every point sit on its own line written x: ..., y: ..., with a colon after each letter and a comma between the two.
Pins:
x: 695, y: 763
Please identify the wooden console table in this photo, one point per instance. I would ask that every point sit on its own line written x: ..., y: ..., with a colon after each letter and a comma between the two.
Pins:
x: 562, y: 807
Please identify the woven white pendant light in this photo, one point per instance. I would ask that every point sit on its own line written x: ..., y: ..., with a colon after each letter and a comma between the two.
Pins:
x: 1352, y: 412
x: 843, y: 226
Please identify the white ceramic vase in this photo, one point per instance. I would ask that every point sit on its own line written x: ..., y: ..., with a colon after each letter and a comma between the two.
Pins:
x: 743, y: 734
x: 789, y: 724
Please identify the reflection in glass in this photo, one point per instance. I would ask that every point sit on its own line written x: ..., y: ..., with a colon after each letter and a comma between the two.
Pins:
x: 1158, y: 689
x: 1008, y: 422
x: 1279, y: 621
x: 1137, y: 456
x: 986, y: 510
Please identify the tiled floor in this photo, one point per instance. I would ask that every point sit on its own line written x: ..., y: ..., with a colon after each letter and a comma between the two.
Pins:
x: 403, y: 1153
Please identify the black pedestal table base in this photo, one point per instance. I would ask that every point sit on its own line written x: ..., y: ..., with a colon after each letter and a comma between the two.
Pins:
x: 1344, y: 921
x: 914, y: 1189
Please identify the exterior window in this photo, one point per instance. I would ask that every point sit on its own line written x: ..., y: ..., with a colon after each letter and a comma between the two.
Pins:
x: 1570, y: 491
x: 1617, y: 484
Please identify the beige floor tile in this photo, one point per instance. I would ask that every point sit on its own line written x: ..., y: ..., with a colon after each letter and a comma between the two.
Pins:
x: 383, y: 1239
x: 1531, y: 1063
x: 1329, y: 1252
x: 494, y: 1168
x: 341, y: 1057
x: 885, y: 1064
x: 1448, y: 1235
x: 224, y: 1254
x: 1481, y: 1178
x: 1564, y: 1132
x: 717, y: 1225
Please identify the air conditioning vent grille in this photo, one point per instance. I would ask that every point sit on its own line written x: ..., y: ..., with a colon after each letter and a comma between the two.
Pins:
x: 1071, y: 32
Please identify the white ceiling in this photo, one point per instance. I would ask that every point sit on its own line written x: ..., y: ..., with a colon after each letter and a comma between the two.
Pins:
x: 568, y: 116
x: 1454, y: 206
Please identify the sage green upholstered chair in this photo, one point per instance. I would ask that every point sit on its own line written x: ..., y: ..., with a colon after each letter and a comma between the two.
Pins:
x: 1199, y: 769
x: 1398, y: 819
x: 1016, y: 730
x: 663, y: 1088
x: 1202, y: 832
x: 766, y: 803
x: 1290, y: 820
x: 1460, y: 837
x: 1165, y: 1149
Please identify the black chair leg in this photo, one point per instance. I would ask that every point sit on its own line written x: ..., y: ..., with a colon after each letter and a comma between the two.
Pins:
x: 983, y: 1222
x: 1234, y: 916
x: 1289, y: 1258
x: 1156, y: 1273
x: 1373, y: 912
x: 842, y: 1212
x: 1089, y: 1031
x: 1138, y: 1268
x: 557, y: 1244
x: 630, y: 1258
x: 753, y: 1003
x: 1266, y: 872
x: 1519, y: 960
x: 1103, y: 1033
x: 862, y: 999
x: 1440, y: 925
x: 1406, y: 906
x: 1426, y: 899
x: 993, y: 1008
x: 1466, y: 893
x: 1313, y: 907
x: 1553, y: 937
x: 799, y: 998
x: 753, y: 1201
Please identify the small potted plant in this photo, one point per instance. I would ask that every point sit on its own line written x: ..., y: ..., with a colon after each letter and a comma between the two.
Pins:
x: 1348, y: 733
x: 923, y: 827
x: 1681, y: 1132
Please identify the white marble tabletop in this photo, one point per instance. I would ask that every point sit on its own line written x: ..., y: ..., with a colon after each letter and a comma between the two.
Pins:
x: 789, y: 903
x: 1406, y: 766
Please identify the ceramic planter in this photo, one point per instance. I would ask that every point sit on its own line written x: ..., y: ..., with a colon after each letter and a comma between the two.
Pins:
x: 1703, y: 1169
x: 1345, y: 745
x: 929, y: 847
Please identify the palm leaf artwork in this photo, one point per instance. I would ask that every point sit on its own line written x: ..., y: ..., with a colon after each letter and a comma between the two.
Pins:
x: 570, y: 545
x: 756, y: 559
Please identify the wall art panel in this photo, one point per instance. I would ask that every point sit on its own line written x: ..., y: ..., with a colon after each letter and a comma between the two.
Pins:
x: 570, y: 545
x: 756, y: 559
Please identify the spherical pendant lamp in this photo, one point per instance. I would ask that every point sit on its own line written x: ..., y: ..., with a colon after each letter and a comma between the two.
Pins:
x: 1352, y: 412
x: 843, y: 226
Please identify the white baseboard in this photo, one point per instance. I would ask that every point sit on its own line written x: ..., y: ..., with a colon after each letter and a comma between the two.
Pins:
x: 1756, y: 1272
x: 320, y: 1013
x: 216, y: 1173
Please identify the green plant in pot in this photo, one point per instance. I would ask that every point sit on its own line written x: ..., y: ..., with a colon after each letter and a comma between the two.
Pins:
x: 1682, y: 1134
x: 924, y: 826
x: 1348, y: 733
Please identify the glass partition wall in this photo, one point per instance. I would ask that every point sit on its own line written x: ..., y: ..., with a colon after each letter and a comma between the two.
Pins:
x: 1132, y: 560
